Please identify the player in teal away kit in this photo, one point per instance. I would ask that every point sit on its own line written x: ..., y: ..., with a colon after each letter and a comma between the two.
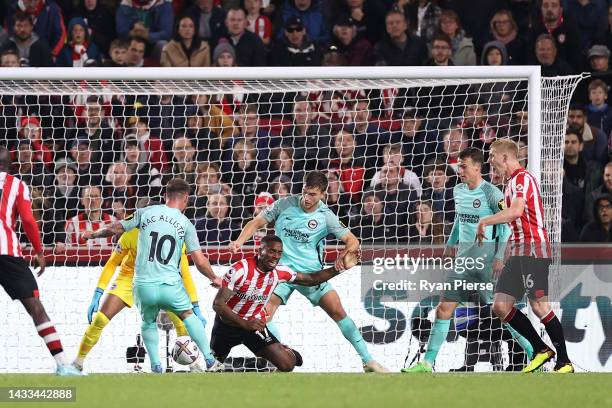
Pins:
x: 475, y: 199
x: 302, y: 222
x: 157, y: 281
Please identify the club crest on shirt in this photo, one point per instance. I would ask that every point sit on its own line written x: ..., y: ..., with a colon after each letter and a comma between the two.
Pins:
x: 519, y: 187
x: 476, y: 203
x: 312, y: 224
x: 501, y: 204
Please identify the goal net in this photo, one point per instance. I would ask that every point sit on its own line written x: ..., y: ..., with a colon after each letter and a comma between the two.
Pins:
x: 92, y: 149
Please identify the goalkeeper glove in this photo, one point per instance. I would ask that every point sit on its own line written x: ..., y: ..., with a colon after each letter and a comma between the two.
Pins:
x: 95, y: 302
x: 198, y: 313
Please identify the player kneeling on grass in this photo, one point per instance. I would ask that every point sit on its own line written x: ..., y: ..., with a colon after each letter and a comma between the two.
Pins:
x: 241, y: 301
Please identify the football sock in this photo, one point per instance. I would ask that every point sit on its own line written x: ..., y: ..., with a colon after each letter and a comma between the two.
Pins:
x: 179, y: 326
x: 519, y: 322
x: 151, y: 341
x: 351, y: 333
x: 438, y: 334
x: 197, y: 334
x: 522, y: 341
x: 555, y: 332
x: 274, y: 330
x: 91, y: 336
x: 49, y: 335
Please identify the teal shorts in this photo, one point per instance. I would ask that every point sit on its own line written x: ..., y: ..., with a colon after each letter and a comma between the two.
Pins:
x: 312, y: 293
x: 478, y: 276
x: 151, y: 298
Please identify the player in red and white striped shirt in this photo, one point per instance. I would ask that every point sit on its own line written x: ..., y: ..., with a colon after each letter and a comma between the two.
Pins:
x: 15, y: 275
x: 526, y: 269
x: 241, y: 301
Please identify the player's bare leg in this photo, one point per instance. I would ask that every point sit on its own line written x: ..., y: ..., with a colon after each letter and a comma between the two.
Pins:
x: 439, y: 331
x: 111, y: 306
x: 46, y: 330
x: 330, y: 302
x: 283, y: 357
x: 195, y: 328
x: 541, y: 308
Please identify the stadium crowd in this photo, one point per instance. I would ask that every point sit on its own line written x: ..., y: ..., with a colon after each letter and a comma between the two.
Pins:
x: 390, y: 155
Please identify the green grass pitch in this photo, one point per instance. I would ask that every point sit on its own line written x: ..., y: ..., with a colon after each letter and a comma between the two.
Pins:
x: 325, y: 390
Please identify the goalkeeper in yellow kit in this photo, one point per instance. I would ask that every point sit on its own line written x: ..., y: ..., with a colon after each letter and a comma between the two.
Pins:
x: 121, y: 296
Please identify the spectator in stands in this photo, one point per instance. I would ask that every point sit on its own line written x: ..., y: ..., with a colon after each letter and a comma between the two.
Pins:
x: 463, y: 47
x: 42, y: 210
x: 454, y: 141
x: 336, y: 199
x: 311, y: 13
x: 91, y: 218
x: 184, y: 164
x: 481, y: 129
x: 280, y: 188
x: 136, y: 52
x: 368, y: 134
x: 63, y: 194
x: 607, y: 38
x: 118, y: 186
x: 243, y: 177
x: 186, y: 49
x: 423, y: 16
x: 224, y: 55
x: 583, y: 173
x: 417, y: 143
x: 152, y: 145
x: 519, y: 125
x: 369, y: 15
x: 80, y: 50
x: 151, y: 20
x: 210, y: 21
x: 546, y: 55
x: 505, y: 30
x: 32, y: 50
x: 213, y: 117
x: 308, y: 139
x: 393, y: 156
x: 98, y: 131
x: 118, y: 53
x: 441, y: 51
x: 101, y: 22
x: 372, y: 224
x: 48, y: 21
x: 29, y: 169
x: 216, y: 228
x: 438, y: 187
x: 258, y: 23
x: 144, y: 179
x: 295, y: 50
x: 398, y: 198
x: 523, y: 155
x: 591, y: 20
x: 118, y: 210
x: 208, y: 181
x: 595, y: 141
x: 9, y: 59
x: 599, y: 113
x: 247, y: 121
x: 599, y: 61
x: 398, y: 46
x: 572, y: 209
x: 283, y: 165
x: 494, y: 53
x: 205, y: 141
x: 263, y: 200
x: 89, y: 173
x: 356, y: 50
x: 32, y: 131
x: 250, y: 50
x: 427, y: 227
x: 333, y: 58
x: 350, y: 167
x: 562, y: 31
x: 598, y: 230
x: 604, y: 188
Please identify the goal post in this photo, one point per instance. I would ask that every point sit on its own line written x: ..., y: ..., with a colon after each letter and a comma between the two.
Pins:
x: 150, y: 109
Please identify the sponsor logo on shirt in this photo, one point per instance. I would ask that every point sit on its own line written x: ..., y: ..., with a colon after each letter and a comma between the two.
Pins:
x: 296, y: 234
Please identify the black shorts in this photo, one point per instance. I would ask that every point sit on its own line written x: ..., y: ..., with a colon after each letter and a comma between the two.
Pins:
x: 225, y: 337
x: 16, y: 278
x: 524, y: 274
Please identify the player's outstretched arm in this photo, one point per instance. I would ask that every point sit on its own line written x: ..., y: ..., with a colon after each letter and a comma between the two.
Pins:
x: 225, y: 312
x: 350, y: 259
x: 113, y: 229
x: 201, y: 262
x: 503, y: 217
x: 247, y: 233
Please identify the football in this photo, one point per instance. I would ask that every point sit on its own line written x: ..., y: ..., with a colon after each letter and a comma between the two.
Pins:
x: 185, y: 351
